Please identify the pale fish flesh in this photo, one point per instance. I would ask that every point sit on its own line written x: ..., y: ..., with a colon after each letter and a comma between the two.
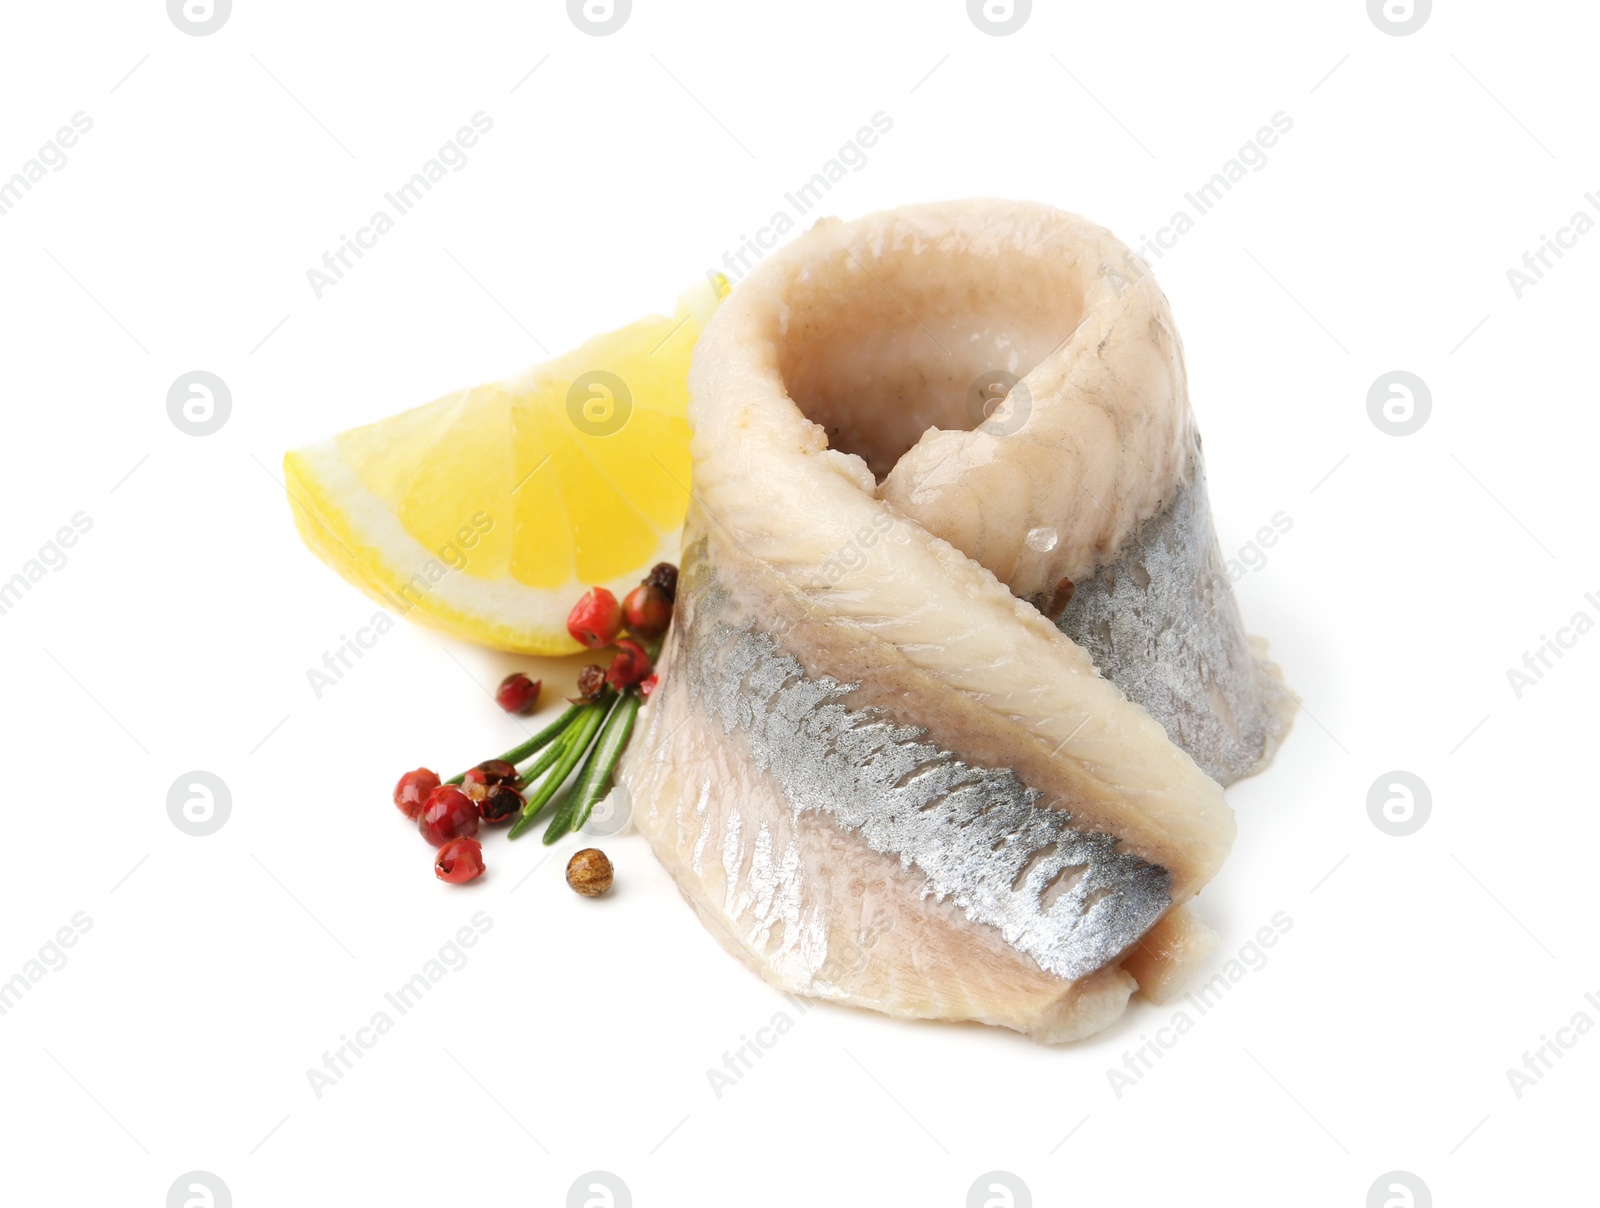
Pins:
x: 875, y: 765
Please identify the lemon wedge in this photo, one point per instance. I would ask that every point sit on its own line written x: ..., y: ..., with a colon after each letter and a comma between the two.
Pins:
x: 488, y: 512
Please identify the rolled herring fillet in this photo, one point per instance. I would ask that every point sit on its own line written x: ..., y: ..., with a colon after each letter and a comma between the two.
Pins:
x: 951, y: 685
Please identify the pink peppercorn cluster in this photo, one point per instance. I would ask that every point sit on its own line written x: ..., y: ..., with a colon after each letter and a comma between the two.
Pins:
x: 447, y: 815
x: 645, y: 613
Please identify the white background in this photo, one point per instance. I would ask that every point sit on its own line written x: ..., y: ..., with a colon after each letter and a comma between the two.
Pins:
x: 178, y: 635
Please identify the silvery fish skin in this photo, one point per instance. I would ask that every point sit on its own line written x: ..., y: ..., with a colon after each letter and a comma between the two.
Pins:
x: 981, y: 837
x: 880, y: 774
x: 1160, y: 621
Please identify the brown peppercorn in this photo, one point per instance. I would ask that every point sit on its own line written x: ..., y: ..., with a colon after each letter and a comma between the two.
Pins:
x: 497, y: 771
x: 589, y: 872
x: 500, y: 804
x: 664, y: 576
x: 591, y: 683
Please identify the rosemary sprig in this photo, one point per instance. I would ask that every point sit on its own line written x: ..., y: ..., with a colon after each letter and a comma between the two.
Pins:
x: 608, y: 750
x: 540, y: 740
x: 597, y: 769
x: 574, y: 743
x: 561, y: 820
x: 546, y: 758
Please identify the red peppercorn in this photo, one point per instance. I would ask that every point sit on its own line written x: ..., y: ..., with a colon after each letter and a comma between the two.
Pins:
x: 596, y: 619
x: 647, y: 611
x: 413, y: 790
x: 518, y: 693
x: 447, y: 814
x: 664, y: 575
x: 649, y: 684
x: 459, y: 861
x: 630, y: 665
x: 500, y: 804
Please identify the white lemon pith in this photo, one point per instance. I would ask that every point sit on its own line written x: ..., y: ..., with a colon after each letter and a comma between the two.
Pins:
x: 488, y: 512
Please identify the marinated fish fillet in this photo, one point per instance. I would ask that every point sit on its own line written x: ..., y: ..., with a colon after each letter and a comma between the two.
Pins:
x: 878, y: 770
